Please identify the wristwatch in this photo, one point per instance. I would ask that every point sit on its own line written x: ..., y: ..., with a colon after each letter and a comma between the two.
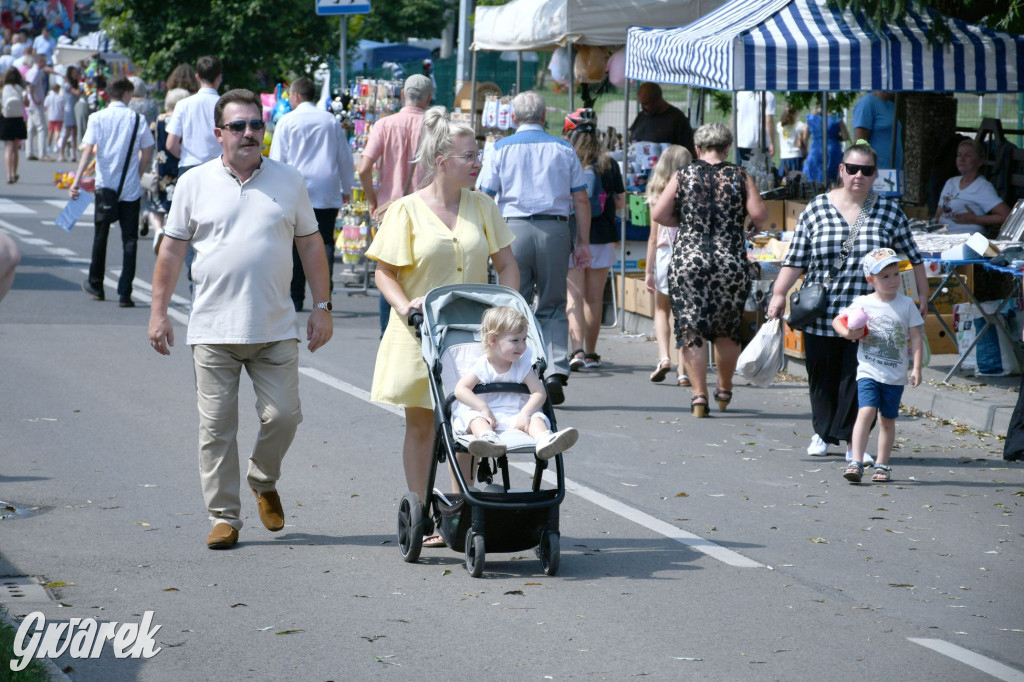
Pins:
x: 325, y: 305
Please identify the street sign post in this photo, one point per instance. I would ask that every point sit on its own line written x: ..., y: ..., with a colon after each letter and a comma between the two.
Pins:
x: 336, y: 7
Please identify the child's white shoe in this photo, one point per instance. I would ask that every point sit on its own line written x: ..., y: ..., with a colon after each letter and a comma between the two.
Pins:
x: 552, y: 444
x: 867, y: 461
x: 486, y: 446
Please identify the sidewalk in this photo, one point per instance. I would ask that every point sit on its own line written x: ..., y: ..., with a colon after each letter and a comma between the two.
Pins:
x: 982, y: 403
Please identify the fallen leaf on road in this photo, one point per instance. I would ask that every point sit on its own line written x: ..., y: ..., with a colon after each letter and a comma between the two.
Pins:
x: 519, y: 592
x: 288, y: 632
x: 820, y: 541
x: 171, y: 589
x: 238, y: 604
x: 907, y: 585
x: 446, y: 572
x: 682, y: 494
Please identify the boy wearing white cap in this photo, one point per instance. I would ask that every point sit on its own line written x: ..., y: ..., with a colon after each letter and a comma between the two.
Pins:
x: 882, y: 321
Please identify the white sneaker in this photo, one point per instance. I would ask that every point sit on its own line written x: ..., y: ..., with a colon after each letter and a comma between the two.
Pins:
x: 553, y: 443
x: 486, y: 446
x: 818, y: 447
x: 868, y: 461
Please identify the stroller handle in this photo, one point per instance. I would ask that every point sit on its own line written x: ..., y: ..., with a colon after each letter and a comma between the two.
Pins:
x: 415, y: 321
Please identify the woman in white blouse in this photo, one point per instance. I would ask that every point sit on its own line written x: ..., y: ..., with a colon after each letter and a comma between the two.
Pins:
x: 968, y: 202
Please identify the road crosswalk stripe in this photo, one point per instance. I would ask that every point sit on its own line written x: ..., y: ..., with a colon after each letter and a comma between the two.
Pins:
x: 8, y: 207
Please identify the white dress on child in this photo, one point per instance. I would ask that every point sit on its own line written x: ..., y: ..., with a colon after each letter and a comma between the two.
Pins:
x: 505, y: 406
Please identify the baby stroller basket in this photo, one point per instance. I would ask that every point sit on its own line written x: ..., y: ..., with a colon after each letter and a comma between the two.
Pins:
x: 505, y: 520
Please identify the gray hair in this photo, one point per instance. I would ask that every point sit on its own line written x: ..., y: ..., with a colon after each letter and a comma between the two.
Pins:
x: 978, y: 147
x: 174, y: 96
x: 140, y: 86
x: 715, y: 136
x: 439, y: 131
x: 528, y: 107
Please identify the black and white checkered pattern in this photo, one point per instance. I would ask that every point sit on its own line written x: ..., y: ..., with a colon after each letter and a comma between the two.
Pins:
x: 819, y: 236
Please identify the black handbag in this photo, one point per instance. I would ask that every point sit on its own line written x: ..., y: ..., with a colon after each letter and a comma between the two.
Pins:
x: 810, y: 302
x: 105, y: 198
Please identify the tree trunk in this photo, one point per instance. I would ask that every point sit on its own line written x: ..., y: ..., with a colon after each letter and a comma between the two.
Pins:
x: 928, y: 118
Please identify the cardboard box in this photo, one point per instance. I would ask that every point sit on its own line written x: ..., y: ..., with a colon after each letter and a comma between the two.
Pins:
x: 793, y: 211
x: 776, y: 215
x: 629, y: 299
x: 939, y: 341
x: 792, y: 342
x: 952, y: 293
x: 644, y: 300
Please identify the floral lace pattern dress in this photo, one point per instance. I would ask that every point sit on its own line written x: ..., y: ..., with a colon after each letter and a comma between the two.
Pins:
x: 709, y: 275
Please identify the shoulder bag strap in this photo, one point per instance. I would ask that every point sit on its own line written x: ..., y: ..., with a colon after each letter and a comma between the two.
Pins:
x: 844, y: 253
x: 128, y: 156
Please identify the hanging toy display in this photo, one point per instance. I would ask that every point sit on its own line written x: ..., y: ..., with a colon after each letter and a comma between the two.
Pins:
x: 282, y: 105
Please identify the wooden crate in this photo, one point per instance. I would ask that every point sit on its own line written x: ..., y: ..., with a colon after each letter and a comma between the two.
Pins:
x: 792, y: 342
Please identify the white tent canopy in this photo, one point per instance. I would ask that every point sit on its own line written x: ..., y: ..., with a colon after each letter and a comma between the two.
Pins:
x: 548, y: 24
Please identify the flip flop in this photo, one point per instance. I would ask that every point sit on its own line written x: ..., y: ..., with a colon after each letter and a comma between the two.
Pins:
x: 661, y: 370
x: 434, y: 541
x: 683, y: 380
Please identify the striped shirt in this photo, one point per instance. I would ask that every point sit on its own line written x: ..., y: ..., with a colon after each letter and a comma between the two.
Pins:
x: 532, y: 173
x: 818, y: 240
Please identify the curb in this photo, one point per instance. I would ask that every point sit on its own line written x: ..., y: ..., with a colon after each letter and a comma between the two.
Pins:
x: 53, y: 673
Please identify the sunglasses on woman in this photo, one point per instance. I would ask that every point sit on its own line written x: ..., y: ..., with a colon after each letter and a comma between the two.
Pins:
x: 866, y: 171
x: 255, y: 125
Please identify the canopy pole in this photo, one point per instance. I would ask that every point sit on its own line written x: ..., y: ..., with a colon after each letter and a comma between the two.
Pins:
x: 895, y: 128
x: 472, y: 91
x: 735, y: 130
x: 824, y: 139
x: 572, y: 81
x: 519, y: 71
x: 621, y: 294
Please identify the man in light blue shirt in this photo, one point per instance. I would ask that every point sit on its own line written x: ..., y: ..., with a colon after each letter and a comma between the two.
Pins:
x: 536, y: 178
x: 190, y: 130
x: 313, y: 142
x: 873, y: 119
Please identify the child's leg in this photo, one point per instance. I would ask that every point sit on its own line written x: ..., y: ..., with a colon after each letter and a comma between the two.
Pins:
x: 886, y: 437
x: 861, y: 432
x: 485, y: 445
x: 538, y: 427
x: 550, y: 444
x: 479, y: 426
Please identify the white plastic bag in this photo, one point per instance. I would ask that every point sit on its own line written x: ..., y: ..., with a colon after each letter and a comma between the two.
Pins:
x: 762, y: 359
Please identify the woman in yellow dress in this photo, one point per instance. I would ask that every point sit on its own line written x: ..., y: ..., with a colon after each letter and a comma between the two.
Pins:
x: 440, y: 234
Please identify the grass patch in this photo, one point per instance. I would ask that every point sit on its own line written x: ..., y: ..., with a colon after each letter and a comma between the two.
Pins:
x: 34, y: 672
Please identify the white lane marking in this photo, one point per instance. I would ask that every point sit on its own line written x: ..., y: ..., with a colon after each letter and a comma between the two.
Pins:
x: 37, y: 241
x: 696, y: 542
x: 61, y: 203
x: 968, y: 657
x: 712, y: 549
x: 346, y: 387
x: 111, y: 283
x: 63, y: 252
x: 9, y: 207
x: 14, y: 229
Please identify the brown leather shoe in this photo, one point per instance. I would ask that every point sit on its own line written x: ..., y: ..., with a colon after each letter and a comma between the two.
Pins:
x: 223, y: 536
x: 271, y: 513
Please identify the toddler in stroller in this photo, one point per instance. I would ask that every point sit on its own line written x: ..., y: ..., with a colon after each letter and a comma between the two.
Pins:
x: 505, y: 358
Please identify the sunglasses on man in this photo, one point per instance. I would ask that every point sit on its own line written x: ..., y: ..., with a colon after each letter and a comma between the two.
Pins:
x: 854, y: 168
x: 255, y: 125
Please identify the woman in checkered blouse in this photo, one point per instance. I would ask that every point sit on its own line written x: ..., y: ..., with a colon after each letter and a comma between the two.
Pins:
x: 823, y: 226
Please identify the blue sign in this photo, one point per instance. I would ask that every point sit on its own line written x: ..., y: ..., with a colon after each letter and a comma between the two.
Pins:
x: 334, y: 7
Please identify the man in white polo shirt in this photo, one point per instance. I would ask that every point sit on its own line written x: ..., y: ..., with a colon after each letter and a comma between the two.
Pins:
x: 313, y: 141
x: 190, y: 134
x: 242, y: 213
x: 111, y: 133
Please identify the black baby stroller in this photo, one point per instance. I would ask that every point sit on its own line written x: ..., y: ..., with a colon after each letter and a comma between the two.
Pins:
x: 496, y: 518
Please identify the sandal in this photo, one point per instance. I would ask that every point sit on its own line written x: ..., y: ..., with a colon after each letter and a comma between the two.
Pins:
x: 576, y: 360
x: 683, y: 380
x: 697, y: 409
x: 723, y: 398
x: 661, y: 370
x: 434, y: 541
x: 591, y: 360
x: 883, y: 473
x: 854, y: 472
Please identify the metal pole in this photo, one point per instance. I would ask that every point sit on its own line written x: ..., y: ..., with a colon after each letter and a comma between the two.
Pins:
x: 472, y: 91
x: 464, y: 32
x: 341, y: 53
x: 572, y: 79
x: 519, y: 72
x: 824, y: 138
x: 735, y: 129
x: 621, y: 294
x: 895, y: 127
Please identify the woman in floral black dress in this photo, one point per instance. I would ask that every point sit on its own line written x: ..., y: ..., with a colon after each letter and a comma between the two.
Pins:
x: 709, y: 277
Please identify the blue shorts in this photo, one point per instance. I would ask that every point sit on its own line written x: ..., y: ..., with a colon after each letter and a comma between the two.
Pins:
x: 883, y: 397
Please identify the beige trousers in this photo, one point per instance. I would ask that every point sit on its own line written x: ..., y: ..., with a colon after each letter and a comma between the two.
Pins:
x: 274, y: 370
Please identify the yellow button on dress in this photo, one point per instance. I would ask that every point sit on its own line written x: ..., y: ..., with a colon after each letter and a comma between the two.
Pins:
x: 428, y: 254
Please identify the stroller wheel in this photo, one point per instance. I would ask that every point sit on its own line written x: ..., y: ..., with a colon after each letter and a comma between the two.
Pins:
x: 475, y: 553
x: 410, y: 527
x: 548, y: 552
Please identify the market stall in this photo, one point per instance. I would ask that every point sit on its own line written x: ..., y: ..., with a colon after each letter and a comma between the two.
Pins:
x: 806, y: 45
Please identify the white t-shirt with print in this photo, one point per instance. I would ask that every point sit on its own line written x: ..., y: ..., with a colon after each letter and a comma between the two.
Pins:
x: 979, y: 196
x: 882, y: 354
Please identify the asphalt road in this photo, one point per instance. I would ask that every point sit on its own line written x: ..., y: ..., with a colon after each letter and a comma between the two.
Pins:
x: 691, y: 549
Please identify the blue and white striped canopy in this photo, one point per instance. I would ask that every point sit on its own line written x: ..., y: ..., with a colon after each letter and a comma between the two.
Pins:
x: 805, y: 45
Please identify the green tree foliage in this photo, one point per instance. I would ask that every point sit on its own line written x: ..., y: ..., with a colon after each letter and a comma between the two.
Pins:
x: 399, y: 20
x: 1002, y: 14
x: 259, y: 41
